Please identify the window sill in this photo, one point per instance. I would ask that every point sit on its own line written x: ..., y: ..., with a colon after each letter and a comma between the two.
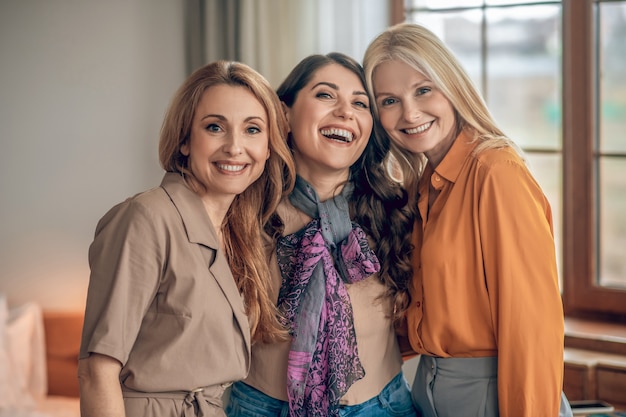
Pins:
x: 595, y: 361
x: 595, y: 335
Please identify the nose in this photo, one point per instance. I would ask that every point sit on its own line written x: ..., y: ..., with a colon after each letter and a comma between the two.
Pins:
x: 233, y: 144
x: 344, y: 109
x: 410, y: 111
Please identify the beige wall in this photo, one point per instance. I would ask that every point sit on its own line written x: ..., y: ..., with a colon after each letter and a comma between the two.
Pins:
x: 83, y: 87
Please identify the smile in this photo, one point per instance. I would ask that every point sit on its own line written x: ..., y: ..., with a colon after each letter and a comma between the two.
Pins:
x: 341, y: 135
x: 418, y: 129
x: 231, y: 168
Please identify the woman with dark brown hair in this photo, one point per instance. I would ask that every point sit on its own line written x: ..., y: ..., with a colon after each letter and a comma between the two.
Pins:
x: 340, y: 260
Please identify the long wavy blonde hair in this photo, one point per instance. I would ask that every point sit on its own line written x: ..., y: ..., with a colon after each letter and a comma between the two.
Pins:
x: 422, y: 50
x: 244, y: 222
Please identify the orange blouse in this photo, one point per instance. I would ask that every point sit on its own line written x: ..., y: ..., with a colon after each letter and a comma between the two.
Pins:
x: 485, y: 280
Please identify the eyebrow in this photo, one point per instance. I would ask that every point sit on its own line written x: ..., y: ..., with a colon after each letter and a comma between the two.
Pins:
x: 416, y: 85
x: 220, y: 117
x: 336, y: 87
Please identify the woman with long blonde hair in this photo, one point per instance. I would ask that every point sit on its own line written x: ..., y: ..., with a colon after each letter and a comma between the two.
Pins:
x: 486, y: 313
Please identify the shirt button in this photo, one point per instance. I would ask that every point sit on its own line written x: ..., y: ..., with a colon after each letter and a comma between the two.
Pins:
x: 437, y: 178
x: 418, y: 304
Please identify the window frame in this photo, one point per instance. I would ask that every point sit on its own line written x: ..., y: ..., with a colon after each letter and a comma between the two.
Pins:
x: 582, y: 297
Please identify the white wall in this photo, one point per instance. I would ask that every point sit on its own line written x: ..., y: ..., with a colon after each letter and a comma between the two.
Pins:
x: 83, y: 88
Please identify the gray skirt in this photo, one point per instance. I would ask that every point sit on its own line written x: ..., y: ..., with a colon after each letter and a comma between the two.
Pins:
x: 453, y: 387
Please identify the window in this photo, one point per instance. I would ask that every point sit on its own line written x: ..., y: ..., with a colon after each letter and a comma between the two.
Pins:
x: 552, y: 74
x: 594, y: 197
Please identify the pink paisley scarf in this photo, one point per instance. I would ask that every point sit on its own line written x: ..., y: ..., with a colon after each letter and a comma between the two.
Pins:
x: 315, y: 262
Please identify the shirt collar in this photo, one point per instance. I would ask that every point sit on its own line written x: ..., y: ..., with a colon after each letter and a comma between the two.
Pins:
x: 193, y: 213
x: 452, y: 163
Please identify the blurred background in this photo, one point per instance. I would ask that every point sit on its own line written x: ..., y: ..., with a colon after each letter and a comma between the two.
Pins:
x: 84, y: 85
x: 83, y: 89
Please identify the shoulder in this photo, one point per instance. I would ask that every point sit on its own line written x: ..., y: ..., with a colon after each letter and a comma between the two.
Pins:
x: 139, y: 224
x: 153, y: 202
x: 492, y: 157
x: 145, y: 207
x: 499, y: 164
x: 502, y: 171
x: 154, y: 199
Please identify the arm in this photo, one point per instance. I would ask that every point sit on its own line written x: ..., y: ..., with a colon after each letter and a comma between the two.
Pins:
x: 100, y: 389
x: 520, y: 270
x: 125, y: 260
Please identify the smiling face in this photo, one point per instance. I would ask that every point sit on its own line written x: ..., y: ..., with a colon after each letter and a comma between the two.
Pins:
x: 415, y: 114
x: 229, y: 143
x: 330, y: 123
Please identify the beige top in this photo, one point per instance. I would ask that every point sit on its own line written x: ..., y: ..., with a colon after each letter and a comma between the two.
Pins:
x: 376, y: 339
x: 161, y: 296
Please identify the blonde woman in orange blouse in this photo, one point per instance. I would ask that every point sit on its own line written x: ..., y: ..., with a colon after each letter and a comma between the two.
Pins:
x: 486, y: 313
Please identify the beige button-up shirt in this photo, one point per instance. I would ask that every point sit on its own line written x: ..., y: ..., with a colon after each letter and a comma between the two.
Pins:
x: 162, y: 299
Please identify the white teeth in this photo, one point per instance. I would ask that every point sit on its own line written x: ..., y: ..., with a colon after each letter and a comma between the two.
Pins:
x: 341, y: 133
x: 419, y: 129
x: 231, y: 168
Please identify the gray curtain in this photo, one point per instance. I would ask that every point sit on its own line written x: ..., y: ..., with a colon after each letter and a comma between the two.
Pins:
x: 273, y: 35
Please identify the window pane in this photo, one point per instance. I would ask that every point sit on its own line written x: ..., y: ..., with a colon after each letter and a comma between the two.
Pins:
x: 523, y: 73
x: 442, y: 4
x: 461, y: 33
x: 547, y: 170
x: 503, y: 2
x: 612, y: 64
x: 612, y: 221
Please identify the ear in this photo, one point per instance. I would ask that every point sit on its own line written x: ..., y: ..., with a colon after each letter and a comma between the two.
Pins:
x: 184, y: 148
x: 268, y: 154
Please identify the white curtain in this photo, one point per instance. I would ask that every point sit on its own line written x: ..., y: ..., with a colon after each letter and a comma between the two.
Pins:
x: 273, y: 35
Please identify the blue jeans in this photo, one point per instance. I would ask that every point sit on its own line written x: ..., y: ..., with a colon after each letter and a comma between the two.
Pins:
x: 393, y: 401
